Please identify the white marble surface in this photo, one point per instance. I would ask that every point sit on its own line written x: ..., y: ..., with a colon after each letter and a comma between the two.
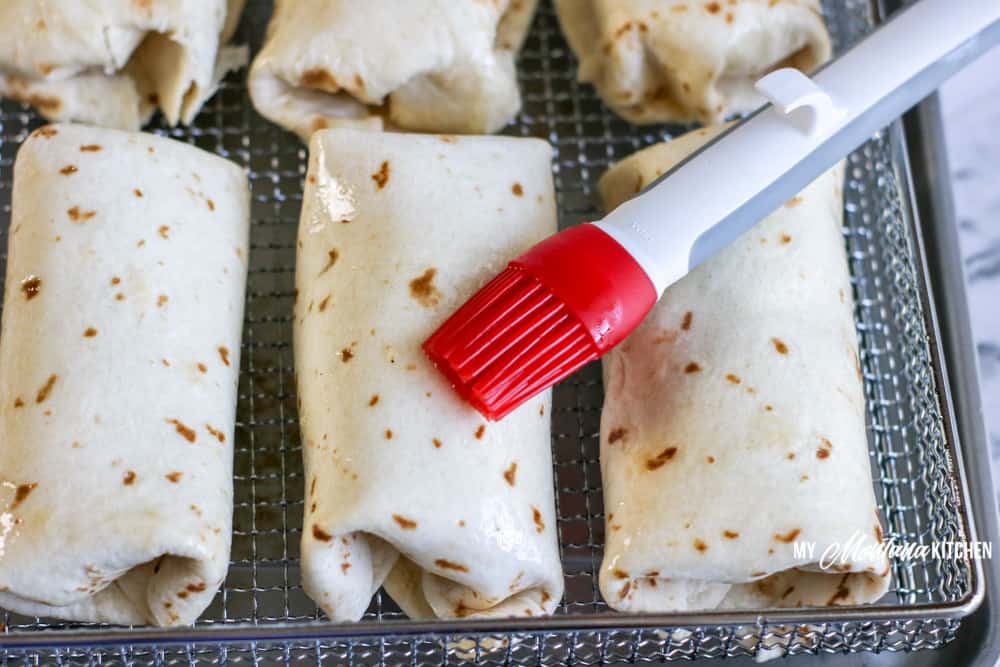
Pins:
x: 971, y: 107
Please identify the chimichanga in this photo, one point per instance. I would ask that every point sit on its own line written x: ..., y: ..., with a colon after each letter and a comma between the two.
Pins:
x: 427, y: 65
x: 113, y: 62
x: 656, y: 61
x: 734, y: 422
x: 406, y: 484
x: 119, y: 353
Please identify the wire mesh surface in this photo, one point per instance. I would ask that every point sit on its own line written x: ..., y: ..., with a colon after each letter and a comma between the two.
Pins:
x: 911, y: 464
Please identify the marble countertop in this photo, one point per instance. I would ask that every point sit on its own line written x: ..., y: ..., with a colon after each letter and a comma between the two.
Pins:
x: 971, y: 108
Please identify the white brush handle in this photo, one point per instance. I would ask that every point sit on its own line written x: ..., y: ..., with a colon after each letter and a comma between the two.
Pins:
x: 677, y: 222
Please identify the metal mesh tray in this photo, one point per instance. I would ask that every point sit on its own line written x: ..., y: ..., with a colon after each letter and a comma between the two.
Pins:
x: 262, y: 614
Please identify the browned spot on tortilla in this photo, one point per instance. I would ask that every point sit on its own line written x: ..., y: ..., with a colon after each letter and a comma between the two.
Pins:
x: 332, y: 255
x: 164, y: 231
x: 68, y: 169
x: 625, y: 590
x: 769, y: 407
x: 46, y: 389
x: 661, y: 458
x: 423, y: 290
x: 787, y: 537
x: 712, y: 8
x: 823, y: 451
x: 679, y: 8
x: 733, y: 378
x: 46, y: 131
x: 321, y: 534
x: 692, y: 367
x: 619, y: 574
x: 785, y: 239
x: 373, y: 400
x: 793, y: 202
x: 138, y: 192
x: 617, y: 434
x: 517, y: 189
x: 686, y: 322
x: 211, y: 204
x: 437, y: 443
x: 224, y: 354
x: 185, y: 431
x: 541, y: 410
x: 90, y: 148
x: 624, y: 28
x: 381, y: 177
x: 757, y: 574
x: 319, y: 78
x: 788, y: 591
x: 76, y: 215
x: 89, y: 332
x: 710, y: 459
x: 404, y: 523
x: 842, y: 591
x: 700, y: 545
x: 729, y: 17
x: 18, y: 402
x: 449, y: 565
x: 510, y: 474
x: 324, y: 303
x: 730, y: 534
x: 790, y: 456
x: 202, y: 367
x: 344, y: 567
x: 388, y: 434
x: 779, y: 346
x: 480, y: 431
x: 174, y: 477
x: 128, y: 478
x: 878, y: 532
x: 30, y: 287
x: 22, y: 492
x: 215, y: 433
x: 196, y: 588
x: 536, y: 514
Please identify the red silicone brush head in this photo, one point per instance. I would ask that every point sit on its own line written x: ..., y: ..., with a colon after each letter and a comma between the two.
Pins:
x: 560, y: 305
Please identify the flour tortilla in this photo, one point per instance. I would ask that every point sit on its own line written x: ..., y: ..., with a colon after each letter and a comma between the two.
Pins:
x: 425, y: 65
x: 734, y: 421
x: 657, y: 61
x: 119, y: 353
x: 113, y: 62
x: 406, y: 484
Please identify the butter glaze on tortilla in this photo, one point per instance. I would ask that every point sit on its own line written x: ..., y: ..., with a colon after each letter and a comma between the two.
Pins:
x: 407, y: 485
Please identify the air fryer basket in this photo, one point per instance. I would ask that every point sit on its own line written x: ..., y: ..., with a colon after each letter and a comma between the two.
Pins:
x: 262, y: 613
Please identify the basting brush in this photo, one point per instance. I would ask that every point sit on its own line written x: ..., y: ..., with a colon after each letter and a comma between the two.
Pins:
x: 574, y: 296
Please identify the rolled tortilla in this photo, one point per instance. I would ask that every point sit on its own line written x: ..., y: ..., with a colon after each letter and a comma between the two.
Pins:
x: 118, y: 365
x: 427, y: 65
x: 656, y: 61
x: 734, y: 422
x: 113, y: 62
x: 407, y: 485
